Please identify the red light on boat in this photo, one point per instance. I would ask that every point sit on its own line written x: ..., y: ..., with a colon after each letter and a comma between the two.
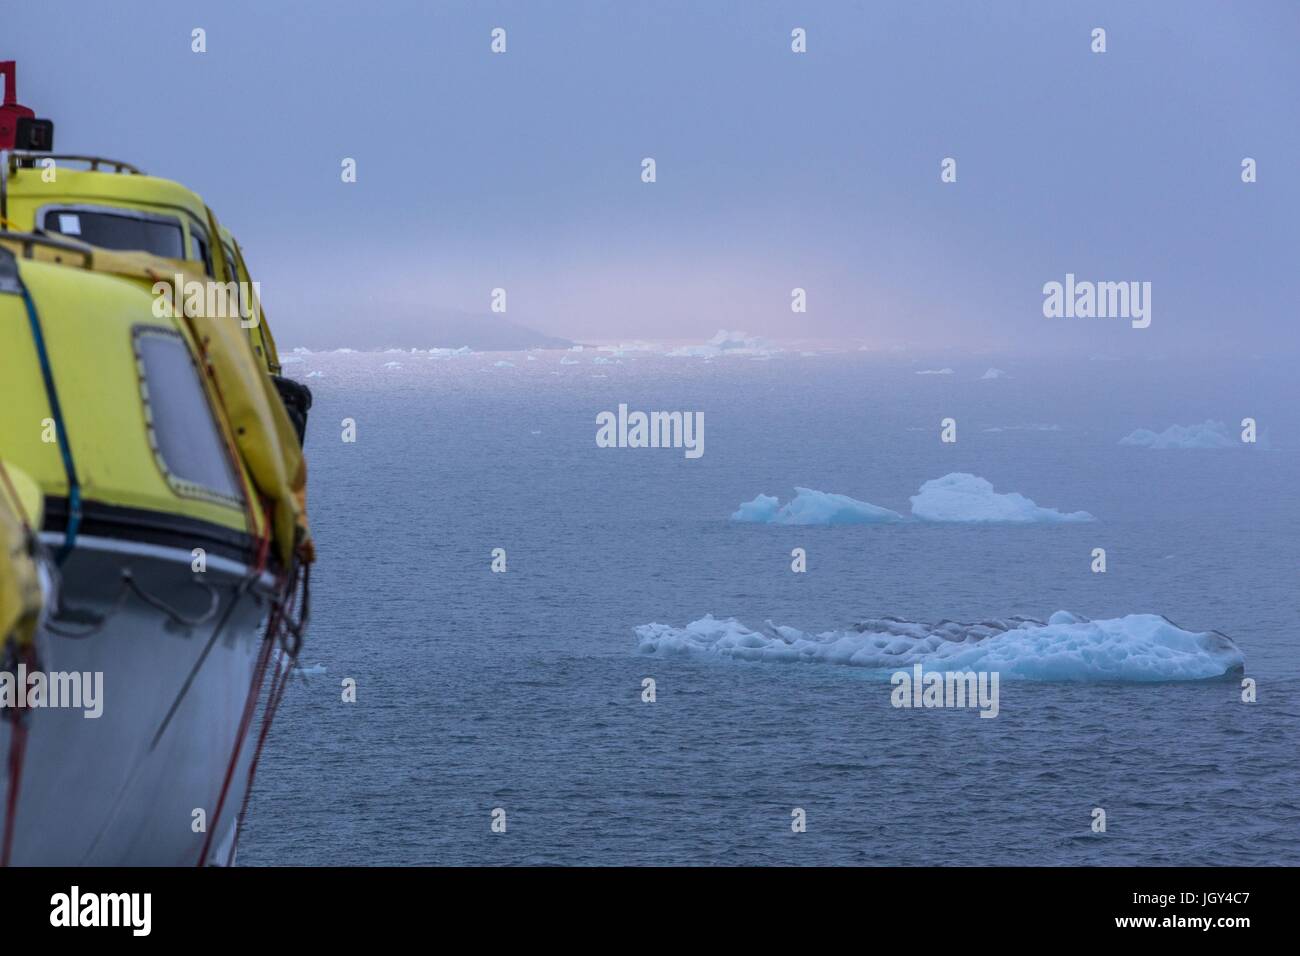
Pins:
x: 19, y: 127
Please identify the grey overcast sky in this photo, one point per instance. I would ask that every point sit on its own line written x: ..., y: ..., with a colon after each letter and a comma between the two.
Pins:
x: 775, y: 169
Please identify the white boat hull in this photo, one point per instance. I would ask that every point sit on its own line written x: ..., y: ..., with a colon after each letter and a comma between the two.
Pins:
x: 102, y: 791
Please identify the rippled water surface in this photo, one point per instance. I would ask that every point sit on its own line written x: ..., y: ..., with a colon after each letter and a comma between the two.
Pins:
x: 523, y: 690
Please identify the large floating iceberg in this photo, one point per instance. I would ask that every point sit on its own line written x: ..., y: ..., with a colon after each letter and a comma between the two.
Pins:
x: 813, y: 507
x: 1211, y: 434
x: 1137, y: 647
x: 968, y: 498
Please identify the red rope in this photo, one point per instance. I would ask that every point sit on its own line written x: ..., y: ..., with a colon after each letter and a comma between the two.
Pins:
x: 284, y: 664
x: 17, y: 751
x: 279, y: 683
x: 250, y: 706
x: 17, y: 755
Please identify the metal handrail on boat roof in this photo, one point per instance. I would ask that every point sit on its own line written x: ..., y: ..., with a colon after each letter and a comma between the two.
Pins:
x: 14, y: 159
x: 18, y: 156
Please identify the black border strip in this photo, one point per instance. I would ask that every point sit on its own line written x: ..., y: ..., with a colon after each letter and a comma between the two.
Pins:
x: 1034, y: 906
x: 152, y: 527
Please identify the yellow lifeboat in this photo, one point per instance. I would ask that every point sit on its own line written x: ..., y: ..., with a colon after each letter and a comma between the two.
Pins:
x: 165, y: 481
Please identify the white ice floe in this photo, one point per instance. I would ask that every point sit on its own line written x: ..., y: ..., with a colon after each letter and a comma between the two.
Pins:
x: 503, y: 364
x: 992, y: 374
x: 935, y: 371
x: 1211, y: 434
x: 725, y: 343
x: 963, y: 497
x: 958, y: 497
x: 1136, y: 647
x: 813, y: 507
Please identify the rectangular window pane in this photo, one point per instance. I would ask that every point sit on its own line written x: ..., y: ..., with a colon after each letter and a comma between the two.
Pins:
x: 186, y: 436
x: 113, y: 231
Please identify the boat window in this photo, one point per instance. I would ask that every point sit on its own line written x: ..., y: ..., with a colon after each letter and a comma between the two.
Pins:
x: 232, y: 273
x: 160, y: 235
x: 232, y: 267
x: 183, y: 430
x: 199, y: 246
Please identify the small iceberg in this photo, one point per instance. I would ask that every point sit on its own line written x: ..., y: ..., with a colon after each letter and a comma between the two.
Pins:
x: 450, y: 353
x: 962, y: 497
x: 955, y: 498
x: 724, y: 343
x: 810, y: 507
x: 310, y: 670
x: 992, y: 374
x: 1065, y: 647
x: 1211, y: 434
x: 935, y: 371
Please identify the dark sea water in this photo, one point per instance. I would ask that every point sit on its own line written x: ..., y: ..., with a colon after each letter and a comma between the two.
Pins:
x: 522, y: 690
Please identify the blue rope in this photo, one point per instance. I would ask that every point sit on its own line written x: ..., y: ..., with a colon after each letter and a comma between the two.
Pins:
x: 65, y: 450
